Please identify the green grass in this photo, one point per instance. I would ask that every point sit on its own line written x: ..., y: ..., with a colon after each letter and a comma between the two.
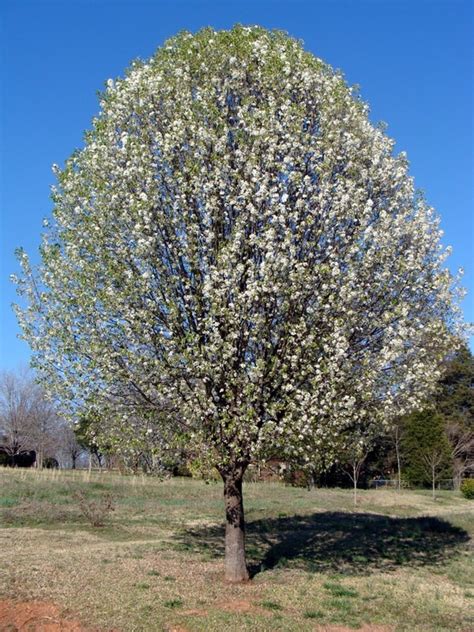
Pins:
x: 401, y: 560
x: 271, y: 605
x: 339, y: 591
x: 173, y: 603
x: 313, y: 614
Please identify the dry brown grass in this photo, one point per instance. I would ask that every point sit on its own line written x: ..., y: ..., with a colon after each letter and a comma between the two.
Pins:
x: 157, y: 565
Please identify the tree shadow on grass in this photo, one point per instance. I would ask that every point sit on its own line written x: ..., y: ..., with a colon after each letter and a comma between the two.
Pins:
x: 356, y: 543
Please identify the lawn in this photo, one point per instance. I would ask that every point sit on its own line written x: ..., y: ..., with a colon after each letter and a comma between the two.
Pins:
x: 401, y: 561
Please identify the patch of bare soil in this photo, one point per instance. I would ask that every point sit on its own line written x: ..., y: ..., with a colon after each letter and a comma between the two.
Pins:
x: 36, y: 616
x: 237, y: 606
x: 240, y: 605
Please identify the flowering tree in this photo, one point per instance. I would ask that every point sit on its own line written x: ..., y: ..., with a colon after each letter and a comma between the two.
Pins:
x: 236, y: 244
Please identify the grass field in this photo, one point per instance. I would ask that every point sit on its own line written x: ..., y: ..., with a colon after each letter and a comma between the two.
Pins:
x: 400, y: 562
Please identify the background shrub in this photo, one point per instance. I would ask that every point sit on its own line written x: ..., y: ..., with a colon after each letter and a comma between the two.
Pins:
x: 467, y: 488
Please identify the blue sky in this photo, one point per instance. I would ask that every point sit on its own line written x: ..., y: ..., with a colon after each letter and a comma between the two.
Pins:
x: 412, y: 59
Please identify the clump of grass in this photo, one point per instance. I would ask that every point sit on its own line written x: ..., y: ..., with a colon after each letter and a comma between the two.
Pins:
x: 8, y: 502
x: 341, y: 604
x: 313, y: 614
x: 96, y: 511
x: 142, y: 585
x: 153, y: 573
x: 282, y: 562
x: 169, y: 578
x: 173, y: 603
x: 340, y: 591
x: 271, y: 605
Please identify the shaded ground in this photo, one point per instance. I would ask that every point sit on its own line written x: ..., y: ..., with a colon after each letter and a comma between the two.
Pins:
x: 336, y: 541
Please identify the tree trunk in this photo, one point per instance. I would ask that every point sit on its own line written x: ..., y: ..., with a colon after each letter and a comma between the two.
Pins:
x: 39, y: 458
x: 434, y: 482
x: 399, y: 468
x: 235, y: 564
x: 355, y: 484
x: 457, y: 475
x: 457, y: 482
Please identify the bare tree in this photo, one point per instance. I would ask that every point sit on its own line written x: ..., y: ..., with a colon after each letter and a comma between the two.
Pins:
x: 27, y: 420
x: 396, y: 439
x: 16, y: 414
x: 70, y: 447
x: 433, y: 461
x: 45, y: 430
x: 353, y: 469
x: 355, y: 451
x: 461, y: 439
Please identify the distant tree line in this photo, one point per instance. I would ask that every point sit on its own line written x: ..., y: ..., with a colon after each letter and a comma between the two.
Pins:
x: 31, y: 431
x: 427, y: 448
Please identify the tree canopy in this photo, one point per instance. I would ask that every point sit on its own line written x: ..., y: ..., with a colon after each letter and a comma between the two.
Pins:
x: 455, y: 396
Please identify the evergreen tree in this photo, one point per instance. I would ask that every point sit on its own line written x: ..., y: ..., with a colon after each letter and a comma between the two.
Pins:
x: 425, y: 445
x: 455, y: 399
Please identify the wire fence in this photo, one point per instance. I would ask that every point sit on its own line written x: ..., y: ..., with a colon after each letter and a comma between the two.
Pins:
x: 394, y: 483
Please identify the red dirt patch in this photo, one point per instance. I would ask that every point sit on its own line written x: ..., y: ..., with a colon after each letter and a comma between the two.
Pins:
x: 238, y: 606
x: 36, y: 616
